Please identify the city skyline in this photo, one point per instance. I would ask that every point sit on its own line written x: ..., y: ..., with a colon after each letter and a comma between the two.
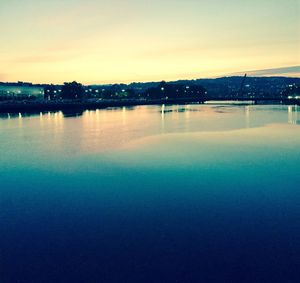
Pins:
x: 126, y: 41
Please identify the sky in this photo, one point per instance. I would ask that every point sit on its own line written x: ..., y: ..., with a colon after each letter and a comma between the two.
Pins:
x: 109, y: 41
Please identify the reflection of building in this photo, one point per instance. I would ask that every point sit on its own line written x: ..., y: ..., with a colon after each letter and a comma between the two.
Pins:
x: 292, y: 114
x: 20, y: 91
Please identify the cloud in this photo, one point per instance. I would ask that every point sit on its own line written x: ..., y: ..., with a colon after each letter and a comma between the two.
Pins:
x: 293, y: 70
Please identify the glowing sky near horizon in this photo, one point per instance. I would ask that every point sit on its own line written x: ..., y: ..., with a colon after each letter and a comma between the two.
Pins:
x: 109, y: 41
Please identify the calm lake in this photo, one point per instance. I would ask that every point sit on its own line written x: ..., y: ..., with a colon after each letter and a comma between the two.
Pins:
x: 183, y: 193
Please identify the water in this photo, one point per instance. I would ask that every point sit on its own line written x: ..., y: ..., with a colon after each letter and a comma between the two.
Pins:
x: 189, y: 193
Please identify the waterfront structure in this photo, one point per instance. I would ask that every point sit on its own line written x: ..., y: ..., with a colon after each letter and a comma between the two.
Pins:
x: 21, y: 90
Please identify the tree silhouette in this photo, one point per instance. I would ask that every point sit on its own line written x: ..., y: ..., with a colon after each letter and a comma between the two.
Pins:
x: 72, y: 90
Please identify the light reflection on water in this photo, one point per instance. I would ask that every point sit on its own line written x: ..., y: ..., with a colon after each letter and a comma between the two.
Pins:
x: 180, y: 193
x: 105, y: 129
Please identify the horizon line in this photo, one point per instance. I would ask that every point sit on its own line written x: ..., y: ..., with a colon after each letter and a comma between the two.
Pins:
x: 284, y: 72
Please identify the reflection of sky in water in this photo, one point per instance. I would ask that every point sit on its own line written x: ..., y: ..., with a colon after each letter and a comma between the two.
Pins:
x: 151, y: 194
x: 102, y: 130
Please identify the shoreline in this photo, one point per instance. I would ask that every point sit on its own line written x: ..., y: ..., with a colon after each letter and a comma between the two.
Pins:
x: 41, y: 106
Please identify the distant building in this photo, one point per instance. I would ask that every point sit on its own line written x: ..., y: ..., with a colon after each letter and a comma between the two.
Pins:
x: 21, y: 91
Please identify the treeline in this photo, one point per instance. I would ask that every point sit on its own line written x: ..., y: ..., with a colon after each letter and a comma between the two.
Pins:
x: 163, y: 90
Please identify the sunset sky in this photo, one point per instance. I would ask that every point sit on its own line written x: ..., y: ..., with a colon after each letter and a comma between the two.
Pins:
x: 108, y: 41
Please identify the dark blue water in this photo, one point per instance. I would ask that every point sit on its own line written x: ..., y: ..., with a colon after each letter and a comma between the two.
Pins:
x: 151, y: 194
